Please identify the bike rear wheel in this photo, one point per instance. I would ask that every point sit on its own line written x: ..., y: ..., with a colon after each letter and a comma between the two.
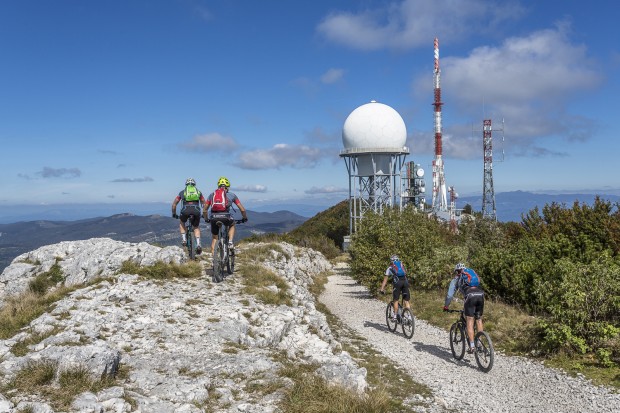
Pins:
x: 218, y: 261
x: 389, y: 317
x: 190, y: 245
x: 408, y: 323
x: 484, y: 351
x: 457, y: 340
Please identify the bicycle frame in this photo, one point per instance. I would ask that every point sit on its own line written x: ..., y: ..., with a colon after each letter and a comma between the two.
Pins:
x: 223, y: 260
x: 484, y: 352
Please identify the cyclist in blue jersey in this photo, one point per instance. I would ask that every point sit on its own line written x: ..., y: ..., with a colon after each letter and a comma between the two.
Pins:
x: 467, y: 282
x: 397, y: 271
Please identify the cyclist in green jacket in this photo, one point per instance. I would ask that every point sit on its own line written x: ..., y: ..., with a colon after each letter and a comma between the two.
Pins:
x: 190, y: 209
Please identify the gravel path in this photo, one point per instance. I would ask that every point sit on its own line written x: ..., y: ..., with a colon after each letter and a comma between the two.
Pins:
x: 515, y: 384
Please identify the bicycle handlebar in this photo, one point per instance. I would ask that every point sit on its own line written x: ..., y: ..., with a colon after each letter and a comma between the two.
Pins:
x: 453, y: 311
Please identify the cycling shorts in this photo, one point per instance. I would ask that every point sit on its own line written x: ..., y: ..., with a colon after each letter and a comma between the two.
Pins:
x: 192, y: 211
x: 401, y: 284
x: 224, y: 218
x: 474, y: 303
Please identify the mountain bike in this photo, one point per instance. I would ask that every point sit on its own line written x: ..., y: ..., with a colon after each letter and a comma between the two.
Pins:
x: 484, y: 352
x: 190, y: 238
x: 223, y: 258
x: 404, y: 317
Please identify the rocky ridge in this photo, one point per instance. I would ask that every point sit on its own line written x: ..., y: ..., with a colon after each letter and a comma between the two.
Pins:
x: 186, y: 344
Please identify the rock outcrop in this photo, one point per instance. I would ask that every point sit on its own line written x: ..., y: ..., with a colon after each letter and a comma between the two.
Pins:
x: 183, y: 345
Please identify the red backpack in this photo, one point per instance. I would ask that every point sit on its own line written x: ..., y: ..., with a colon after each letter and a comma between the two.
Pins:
x: 220, y: 201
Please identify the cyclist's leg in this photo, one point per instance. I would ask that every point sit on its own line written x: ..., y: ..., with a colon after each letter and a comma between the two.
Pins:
x: 479, y: 311
x: 406, y: 294
x: 395, y: 297
x: 195, y: 217
x: 231, y: 230
x: 214, y: 236
x: 469, y: 309
x: 182, y: 220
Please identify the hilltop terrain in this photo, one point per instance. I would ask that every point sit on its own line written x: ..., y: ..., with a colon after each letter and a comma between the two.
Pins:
x: 20, y: 237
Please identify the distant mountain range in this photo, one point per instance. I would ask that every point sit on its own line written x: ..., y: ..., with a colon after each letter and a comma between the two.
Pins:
x: 510, y: 205
x: 40, y: 225
x: 17, y: 238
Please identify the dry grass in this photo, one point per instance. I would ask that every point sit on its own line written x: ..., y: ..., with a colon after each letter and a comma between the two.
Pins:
x: 163, y: 271
x: 42, y: 378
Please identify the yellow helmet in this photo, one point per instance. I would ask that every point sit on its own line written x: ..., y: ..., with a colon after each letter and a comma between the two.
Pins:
x: 223, y: 181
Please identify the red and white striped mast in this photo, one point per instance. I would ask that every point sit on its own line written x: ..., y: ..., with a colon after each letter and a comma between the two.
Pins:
x: 440, y: 202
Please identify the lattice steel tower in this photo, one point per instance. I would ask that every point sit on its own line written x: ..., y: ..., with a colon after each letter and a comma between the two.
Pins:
x: 488, y: 193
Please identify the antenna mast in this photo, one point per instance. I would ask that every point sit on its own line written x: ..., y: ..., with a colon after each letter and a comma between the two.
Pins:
x: 488, y: 193
x: 440, y: 202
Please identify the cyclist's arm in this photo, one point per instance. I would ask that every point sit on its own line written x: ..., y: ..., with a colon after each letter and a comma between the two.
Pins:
x: 450, y: 294
x: 174, y: 204
x: 386, y: 276
x: 244, y: 214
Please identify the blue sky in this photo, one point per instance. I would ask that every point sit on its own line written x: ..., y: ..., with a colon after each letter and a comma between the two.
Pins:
x: 121, y: 101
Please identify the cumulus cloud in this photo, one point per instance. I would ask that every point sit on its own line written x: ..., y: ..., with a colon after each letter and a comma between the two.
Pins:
x: 325, y: 190
x: 332, y: 76
x: 527, y: 81
x: 250, y: 188
x: 132, y: 180
x: 49, y: 172
x: 208, y: 143
x: 107, y: 152
x: 406, y: 24
x: 280, y: 155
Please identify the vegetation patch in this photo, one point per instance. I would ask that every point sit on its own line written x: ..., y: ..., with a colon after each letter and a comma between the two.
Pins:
x: 162, y: 271
x: 44, y: 281
x: 264, y: 284
x: 38, y: 378
x: 20, y: 348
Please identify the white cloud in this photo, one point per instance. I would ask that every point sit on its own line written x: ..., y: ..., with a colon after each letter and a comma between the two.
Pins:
x: 528, y: 81
x: 332, y: 76
x: 49, y: 172
x: 408, y: 24
x: 280, y: 155
x: 133, y: 180
x: 250, y: 188
x: 209, y: 142
x: 326, y: 190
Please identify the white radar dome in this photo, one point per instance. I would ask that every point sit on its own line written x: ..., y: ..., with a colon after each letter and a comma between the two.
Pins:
x: 374, y: 125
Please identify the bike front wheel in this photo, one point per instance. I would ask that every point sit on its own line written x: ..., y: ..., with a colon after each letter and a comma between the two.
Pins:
x: 457, y: 340
x: 218, y: 262
x: 484, y: 351
x: 230, y: 264
x: 408, y: 323
x: 389, y: 317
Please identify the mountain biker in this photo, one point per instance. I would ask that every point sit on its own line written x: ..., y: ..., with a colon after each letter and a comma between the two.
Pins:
x: 397, y: 271
x: 223, y: 213
x: 190, y: 209
x: 467, y: 282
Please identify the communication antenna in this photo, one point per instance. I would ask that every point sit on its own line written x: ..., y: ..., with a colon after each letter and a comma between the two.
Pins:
x: 488, y: 192
x: 440, y: 201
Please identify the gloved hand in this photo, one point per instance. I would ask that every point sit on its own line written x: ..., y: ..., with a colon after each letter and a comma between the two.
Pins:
x: 382, y: 292
x: 445, y: 308
x: 175, y: 216
x: 244, y: 219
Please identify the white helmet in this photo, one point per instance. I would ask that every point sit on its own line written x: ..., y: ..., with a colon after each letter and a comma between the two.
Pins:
x: 190, y: 181
x: 460, y: 266
x: 394, y: 258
